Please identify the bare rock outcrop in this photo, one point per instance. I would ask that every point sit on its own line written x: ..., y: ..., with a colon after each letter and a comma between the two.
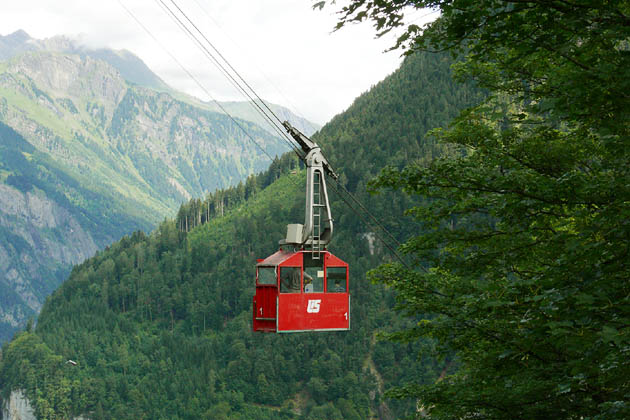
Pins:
x: 17, y: 407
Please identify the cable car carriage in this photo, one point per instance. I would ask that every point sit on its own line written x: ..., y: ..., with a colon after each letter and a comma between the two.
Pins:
x: 304, y: 287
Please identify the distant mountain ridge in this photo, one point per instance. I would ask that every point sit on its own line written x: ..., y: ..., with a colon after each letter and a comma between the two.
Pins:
x: 134, y: 70
x: 247, y: 112
x: 129, y: 65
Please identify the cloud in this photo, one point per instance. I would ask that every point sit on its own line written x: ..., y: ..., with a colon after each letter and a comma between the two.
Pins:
x: 285, y: 50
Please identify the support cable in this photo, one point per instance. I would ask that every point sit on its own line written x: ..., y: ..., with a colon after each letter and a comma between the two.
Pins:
x: 227, y: 62
x: 367, y: 222
x: 267, y: 115
x: 374, y: 219
x: 222, y: 68
x: 195, y: 80
x: 391, y: 249
x: 225, y: 71
x: 294, y: 108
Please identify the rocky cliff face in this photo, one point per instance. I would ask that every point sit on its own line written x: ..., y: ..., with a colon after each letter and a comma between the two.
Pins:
x: 18, y: 407
x: 41, y: 241
x: 74, y: 76
x: 130, y: 66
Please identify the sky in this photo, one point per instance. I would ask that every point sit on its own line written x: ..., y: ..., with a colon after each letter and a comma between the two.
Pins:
x: 286, y: 51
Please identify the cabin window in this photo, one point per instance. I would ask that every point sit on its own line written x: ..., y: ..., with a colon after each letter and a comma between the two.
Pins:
x: 336, y: 279
x: 267, y: 275
x: 313, y: 274
x: 290, y: 279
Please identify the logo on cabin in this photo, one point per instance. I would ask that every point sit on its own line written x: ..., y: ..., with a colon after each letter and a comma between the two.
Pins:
x: 313, y: 306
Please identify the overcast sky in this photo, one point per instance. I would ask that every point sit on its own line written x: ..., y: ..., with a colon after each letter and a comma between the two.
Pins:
x: 285, y: 50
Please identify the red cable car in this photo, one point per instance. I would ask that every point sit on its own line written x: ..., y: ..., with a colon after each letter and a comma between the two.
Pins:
x: 296, y: 292
x: 303, y: 286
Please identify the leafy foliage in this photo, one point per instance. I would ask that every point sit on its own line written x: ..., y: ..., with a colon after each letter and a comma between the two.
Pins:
x: 524, y: 226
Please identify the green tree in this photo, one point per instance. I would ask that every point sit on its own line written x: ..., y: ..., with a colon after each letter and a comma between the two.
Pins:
x: 522, y: 258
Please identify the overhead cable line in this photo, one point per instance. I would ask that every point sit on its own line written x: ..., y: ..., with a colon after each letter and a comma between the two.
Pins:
x: 367, y: 222
x: 365, y: 210
x: 195, y: 80
x: 389, y: 247
x: 282, y: 134
x: 294, y: 108
x: 227, y: 62
x: 266, y: 114
x: 425, y: 15
x: 223, y: 69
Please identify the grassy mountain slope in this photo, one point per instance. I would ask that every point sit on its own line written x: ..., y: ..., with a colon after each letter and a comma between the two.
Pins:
x: 160, y: 324
x: 86, y: 116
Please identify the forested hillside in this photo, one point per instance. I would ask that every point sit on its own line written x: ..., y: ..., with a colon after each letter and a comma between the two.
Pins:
x: 48, y: 222
x: 160, y: 324
x: 87, y: 156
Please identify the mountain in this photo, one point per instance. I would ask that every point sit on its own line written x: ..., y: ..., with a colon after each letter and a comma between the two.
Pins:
x: 87, y: 156
x: 159, y: 325
x: 131, y: 68
x: 135, y: 71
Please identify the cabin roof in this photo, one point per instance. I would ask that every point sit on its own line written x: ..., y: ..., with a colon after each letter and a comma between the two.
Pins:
x: 277, y: 258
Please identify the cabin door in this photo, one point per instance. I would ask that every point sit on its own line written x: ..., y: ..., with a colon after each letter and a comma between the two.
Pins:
x: 265, y: 301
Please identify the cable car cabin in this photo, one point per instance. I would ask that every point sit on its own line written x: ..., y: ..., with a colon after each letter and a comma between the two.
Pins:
x: 296, y: 293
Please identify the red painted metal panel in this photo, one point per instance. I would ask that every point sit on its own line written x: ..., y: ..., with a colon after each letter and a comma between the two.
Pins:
x: 277, y: 258
x: 265, y: 304
x: 265, y: 308
x: 331, y: 260
x: 313, y: 311
x: 292, y: 312
x: 292, y: 260
x: 266, y: 299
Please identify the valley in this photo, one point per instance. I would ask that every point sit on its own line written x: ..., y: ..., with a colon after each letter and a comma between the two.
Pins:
x: 89, y: 155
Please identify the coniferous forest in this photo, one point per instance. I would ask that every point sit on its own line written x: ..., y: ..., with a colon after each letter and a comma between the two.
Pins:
x: 159, y: 324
